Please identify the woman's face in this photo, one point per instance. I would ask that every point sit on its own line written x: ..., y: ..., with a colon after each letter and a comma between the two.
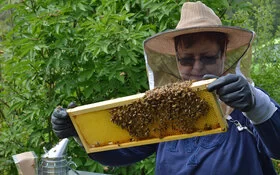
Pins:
x: 201, y: 56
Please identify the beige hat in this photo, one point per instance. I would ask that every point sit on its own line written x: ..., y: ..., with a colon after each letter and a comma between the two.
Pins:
x: 197, y: 17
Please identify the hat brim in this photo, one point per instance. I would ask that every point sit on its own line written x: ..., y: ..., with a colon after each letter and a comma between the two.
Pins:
x: 164, y: 42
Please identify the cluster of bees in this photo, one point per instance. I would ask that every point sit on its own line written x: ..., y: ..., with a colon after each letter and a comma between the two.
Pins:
x: 173, y: 108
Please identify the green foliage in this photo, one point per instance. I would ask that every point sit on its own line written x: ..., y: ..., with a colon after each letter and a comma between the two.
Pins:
x: 276, y: 164
x: 266, y: 70
x: 87, y: 51
x: 266, y: 76
x: 58, y: 52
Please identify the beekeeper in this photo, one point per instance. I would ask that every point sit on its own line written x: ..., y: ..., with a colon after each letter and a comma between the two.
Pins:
x: 199, y: 48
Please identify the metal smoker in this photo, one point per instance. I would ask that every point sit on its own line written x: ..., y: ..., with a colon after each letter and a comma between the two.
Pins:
x: 54, y: 161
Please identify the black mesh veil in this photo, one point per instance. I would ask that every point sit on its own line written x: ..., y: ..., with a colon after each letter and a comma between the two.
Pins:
x: 162, y: 68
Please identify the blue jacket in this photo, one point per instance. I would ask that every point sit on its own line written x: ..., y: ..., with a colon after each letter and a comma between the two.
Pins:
x: 230, y: 153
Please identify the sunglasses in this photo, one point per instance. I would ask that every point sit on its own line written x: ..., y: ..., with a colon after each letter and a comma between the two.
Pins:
x: 205, y: 59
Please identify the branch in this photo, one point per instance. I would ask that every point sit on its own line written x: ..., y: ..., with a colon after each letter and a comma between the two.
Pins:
x: 223, y: 13
x: 5, y: 103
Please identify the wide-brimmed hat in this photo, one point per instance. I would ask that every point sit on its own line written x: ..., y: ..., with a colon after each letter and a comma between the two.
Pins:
x: 197, y: 17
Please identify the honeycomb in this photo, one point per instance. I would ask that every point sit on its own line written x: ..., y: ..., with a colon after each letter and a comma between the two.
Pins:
x: 163, y: 111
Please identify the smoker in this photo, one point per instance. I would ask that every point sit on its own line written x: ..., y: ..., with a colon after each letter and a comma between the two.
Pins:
x: 54, y: 161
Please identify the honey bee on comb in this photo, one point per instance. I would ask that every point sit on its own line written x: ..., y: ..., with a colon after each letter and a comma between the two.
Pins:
x: 163, y: 111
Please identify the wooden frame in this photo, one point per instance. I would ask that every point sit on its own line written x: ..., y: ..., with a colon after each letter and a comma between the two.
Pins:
x: 98, y: 133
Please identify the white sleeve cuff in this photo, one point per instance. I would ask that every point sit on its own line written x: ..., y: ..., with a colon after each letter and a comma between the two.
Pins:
x: 263, y: 109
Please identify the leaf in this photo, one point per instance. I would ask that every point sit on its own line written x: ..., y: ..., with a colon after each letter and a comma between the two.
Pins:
x: 127, y: 60
x: 105, y: 48
x: 88, y: 91
x: 127, y: 6
x: 57, y: 28
x: 81, y: 6
x: 121, y: 78
x: 78, y: 161
x: 97, y: 87
x: 85, y: 75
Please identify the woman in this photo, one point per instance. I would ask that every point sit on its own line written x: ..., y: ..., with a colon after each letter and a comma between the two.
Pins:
x: 200, y: 47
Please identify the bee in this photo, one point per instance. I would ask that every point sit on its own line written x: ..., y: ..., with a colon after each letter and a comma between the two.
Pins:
x: 174, y: 106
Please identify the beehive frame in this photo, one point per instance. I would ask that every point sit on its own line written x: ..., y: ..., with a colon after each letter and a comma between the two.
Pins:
x: 97, y: 133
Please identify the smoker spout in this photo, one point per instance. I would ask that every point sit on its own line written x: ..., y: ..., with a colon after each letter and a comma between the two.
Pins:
x: 58, y: 150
